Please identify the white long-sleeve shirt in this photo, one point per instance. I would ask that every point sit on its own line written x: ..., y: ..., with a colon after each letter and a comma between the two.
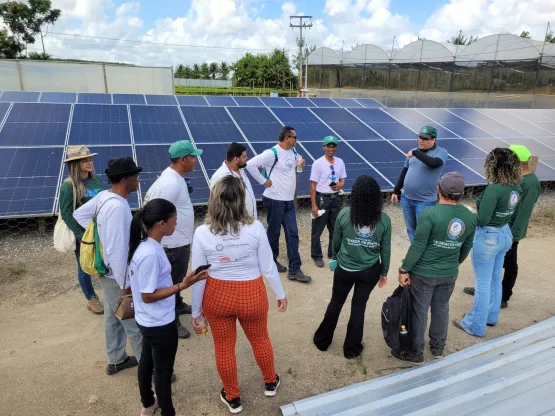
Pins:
x: 250, y: 199
x: 113, y: 223
x: 284, y: 174
x: 241, y: 257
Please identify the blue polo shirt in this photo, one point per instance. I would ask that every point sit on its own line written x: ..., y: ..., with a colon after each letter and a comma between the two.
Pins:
x: 421, y: 181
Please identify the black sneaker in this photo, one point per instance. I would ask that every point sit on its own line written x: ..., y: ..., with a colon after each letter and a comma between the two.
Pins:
x: 129, y: 362
x: 437, y: 353
x: 300, y: 276
x: 504, y: 305
x: 271, y: 388
x: 182, y: 332
x: 184, y: 309
x: 408, y: 356
x: 281, y: 268
x: 234, y: 405
x: 469, y: 291
x: 319, y: 263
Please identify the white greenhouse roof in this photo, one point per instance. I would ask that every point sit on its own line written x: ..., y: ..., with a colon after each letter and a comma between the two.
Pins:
x: 366, y: 54
x: 500, y: 48
x: 425, y: 51
x: 324, y: 56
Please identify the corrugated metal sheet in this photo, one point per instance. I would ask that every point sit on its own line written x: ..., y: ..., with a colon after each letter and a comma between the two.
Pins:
x: 511, y: 375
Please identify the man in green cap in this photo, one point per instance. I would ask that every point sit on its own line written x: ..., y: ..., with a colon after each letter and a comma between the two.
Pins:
x: 419, y: 178
x: 171, y: 186
x: 531, y: 189
x: 327, y: 178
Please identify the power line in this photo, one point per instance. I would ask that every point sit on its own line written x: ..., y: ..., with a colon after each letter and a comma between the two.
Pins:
x: 161, y: 43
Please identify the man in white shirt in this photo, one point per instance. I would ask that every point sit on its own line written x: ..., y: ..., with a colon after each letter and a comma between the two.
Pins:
x: 280, y: 167
x: 172, y: 187
x: 327, y: 178
x: 234, y: 165
x: 113, y: 223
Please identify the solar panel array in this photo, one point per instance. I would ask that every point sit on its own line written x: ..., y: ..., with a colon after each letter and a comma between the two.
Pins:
x: 35, y: 129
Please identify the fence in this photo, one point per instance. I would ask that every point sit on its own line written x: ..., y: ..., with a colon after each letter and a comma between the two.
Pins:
x: 189, y: 82
x: 27, y: 75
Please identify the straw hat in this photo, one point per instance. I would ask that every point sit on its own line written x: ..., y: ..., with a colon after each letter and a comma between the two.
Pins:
x: 78, y: 152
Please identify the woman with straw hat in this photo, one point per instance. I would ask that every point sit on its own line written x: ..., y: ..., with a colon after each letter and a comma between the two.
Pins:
x: 82, y: 181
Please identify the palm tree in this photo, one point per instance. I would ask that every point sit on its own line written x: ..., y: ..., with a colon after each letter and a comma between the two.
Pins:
x: 460, y: 39
x: 195, y: 71
x: 213, y: 69
x: 224, y: 70
x: 204, y: 71
x: 550, y: 38
x: 179, y: 71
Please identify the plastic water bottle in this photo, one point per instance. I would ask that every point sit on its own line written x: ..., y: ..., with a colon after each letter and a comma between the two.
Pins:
x: 201, y: 321
x: 404, y: 341
x: 299, y: 161
x: 320, y: 213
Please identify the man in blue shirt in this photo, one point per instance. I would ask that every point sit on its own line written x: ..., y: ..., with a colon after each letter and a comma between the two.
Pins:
x: 420, y: 177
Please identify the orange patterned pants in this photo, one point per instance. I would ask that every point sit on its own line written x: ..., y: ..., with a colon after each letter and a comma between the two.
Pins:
x: 224, y: 303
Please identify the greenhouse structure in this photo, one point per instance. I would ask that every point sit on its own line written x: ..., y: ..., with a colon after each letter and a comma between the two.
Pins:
x: 496, y: 63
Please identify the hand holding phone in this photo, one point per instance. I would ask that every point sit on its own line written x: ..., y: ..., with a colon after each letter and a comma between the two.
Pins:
x: 333, y: 184
x: 201, y: 268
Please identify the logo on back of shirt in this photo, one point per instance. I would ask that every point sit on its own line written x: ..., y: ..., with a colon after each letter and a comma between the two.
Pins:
x: 455, y: 229
x: 219, y: 247
x: 364, y: 232
x: 513, y: 200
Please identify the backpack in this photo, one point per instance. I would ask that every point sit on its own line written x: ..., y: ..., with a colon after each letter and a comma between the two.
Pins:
x: 265, y: 173
x: 397, y: 311
x: 90, y: 257
x: 64, y: 239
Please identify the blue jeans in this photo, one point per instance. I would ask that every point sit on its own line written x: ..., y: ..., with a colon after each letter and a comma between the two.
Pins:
x: 283, y: 213
x: 488, y: 254
x: 411, y: 211
x: 84, y: 279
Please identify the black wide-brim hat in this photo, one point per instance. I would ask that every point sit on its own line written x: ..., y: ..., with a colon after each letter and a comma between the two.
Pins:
x: 122, y: 166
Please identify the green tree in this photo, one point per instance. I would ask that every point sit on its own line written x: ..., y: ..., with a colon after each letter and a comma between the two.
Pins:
x: 204, y: 71
x: 460, y: 39
x: 10, y: 48
x: 25, y: 20
x: 550, y: 38
x: 272, y: 70
x: 213, y: 69
x: 195, y: 71
x: 179, y: 71
x: 306, y: 51
x: 39, y: 56
x: 525, y: 34
x: 225, y: 69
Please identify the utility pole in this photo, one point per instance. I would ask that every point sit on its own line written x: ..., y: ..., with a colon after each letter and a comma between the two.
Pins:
x: 301, y: 25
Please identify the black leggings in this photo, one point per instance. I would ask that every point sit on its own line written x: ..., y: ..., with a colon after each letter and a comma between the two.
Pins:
x: 159, y: 349
x: 364, y: 282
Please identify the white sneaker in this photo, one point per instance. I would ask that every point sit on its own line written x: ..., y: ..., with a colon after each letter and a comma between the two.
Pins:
x: 149, y: 411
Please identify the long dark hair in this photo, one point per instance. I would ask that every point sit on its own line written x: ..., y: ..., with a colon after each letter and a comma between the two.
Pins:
x: 366, y: 202
x: 144, y: 219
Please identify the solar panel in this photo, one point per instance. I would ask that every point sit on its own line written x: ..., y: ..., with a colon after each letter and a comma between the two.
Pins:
x: 485, y: 123
x: 388, y: 160
x: 369, y: 103
x: 383, y: 124
x: 299, y: 102
x: 99, y: 125
x: 345, y: 124
x: 160, y: 99
x: 58, y: 97
x: 211, y: 124
x: 94, y: 98
x: 128, y: 98
x: 192, y: 100
x: 257, y: 124
x: 324, y: 102
x: 220, y: 101
x: 440, y: 115
x: 28, y: 180
x: 20, y: 96
x: 34, y: 124
x: 407, y: 115
x: 275, y: 102
x: 470, y: 178
x: 528, y: 115
x: 157, y: 124
x: 306, y: 124
x: 248, y: 102
x: 215, y: 154
x: 549, y: 114
x: 549, y: 127
x: 3, y: 110
x: 369, y: 115
x: 347, y: 103
x: 154, y: 159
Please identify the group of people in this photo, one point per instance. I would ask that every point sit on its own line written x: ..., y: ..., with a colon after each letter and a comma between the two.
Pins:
x: 147, y: 254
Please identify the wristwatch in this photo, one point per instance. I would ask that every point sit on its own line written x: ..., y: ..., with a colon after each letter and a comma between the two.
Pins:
x: 401, y: 271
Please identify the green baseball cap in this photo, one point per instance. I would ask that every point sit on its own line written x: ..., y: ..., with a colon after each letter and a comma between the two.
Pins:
x: 330, y: 140
x: 428, y: 132
x: 521, y: 151
x: 183, y: 148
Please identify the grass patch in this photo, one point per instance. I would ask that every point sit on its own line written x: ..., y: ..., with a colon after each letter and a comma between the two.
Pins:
x: 17, y: 270
x: 179, y: 89
x: 543, y: 215
x: 292, y: 372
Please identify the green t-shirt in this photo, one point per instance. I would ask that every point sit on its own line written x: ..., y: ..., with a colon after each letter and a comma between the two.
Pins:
x: 497, y: 204
x: 531, y: 189
x: 359, y: 249
x: 93, y: 186
x: 443, y: 238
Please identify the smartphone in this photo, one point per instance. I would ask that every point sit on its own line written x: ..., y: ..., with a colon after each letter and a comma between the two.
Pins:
x: 332, y: 184
x: 332, y: 264
x: 202, y: 268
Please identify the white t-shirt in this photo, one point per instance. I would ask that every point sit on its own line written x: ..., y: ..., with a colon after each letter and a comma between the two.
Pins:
x: 171, y: 186
x: 150, y: 270
x: 250, y: 200
x: 241, y: 257
x: 323, y: 175
x: 113, y: 224
x: 283, y: 177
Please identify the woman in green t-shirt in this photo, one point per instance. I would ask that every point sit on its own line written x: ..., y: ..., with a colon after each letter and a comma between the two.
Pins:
x: 496, y: 205
x: 362, y: 249
x: 83, y: 181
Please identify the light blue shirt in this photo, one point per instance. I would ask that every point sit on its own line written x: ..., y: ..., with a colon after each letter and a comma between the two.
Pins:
x: 421, y: 181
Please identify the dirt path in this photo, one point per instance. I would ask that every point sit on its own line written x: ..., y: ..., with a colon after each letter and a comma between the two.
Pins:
x: 52, y: 355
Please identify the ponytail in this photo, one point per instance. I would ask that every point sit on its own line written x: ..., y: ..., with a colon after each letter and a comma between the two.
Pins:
x: 144, y: 219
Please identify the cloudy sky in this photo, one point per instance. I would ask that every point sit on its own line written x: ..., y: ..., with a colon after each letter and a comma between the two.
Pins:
x: 170, y: 32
